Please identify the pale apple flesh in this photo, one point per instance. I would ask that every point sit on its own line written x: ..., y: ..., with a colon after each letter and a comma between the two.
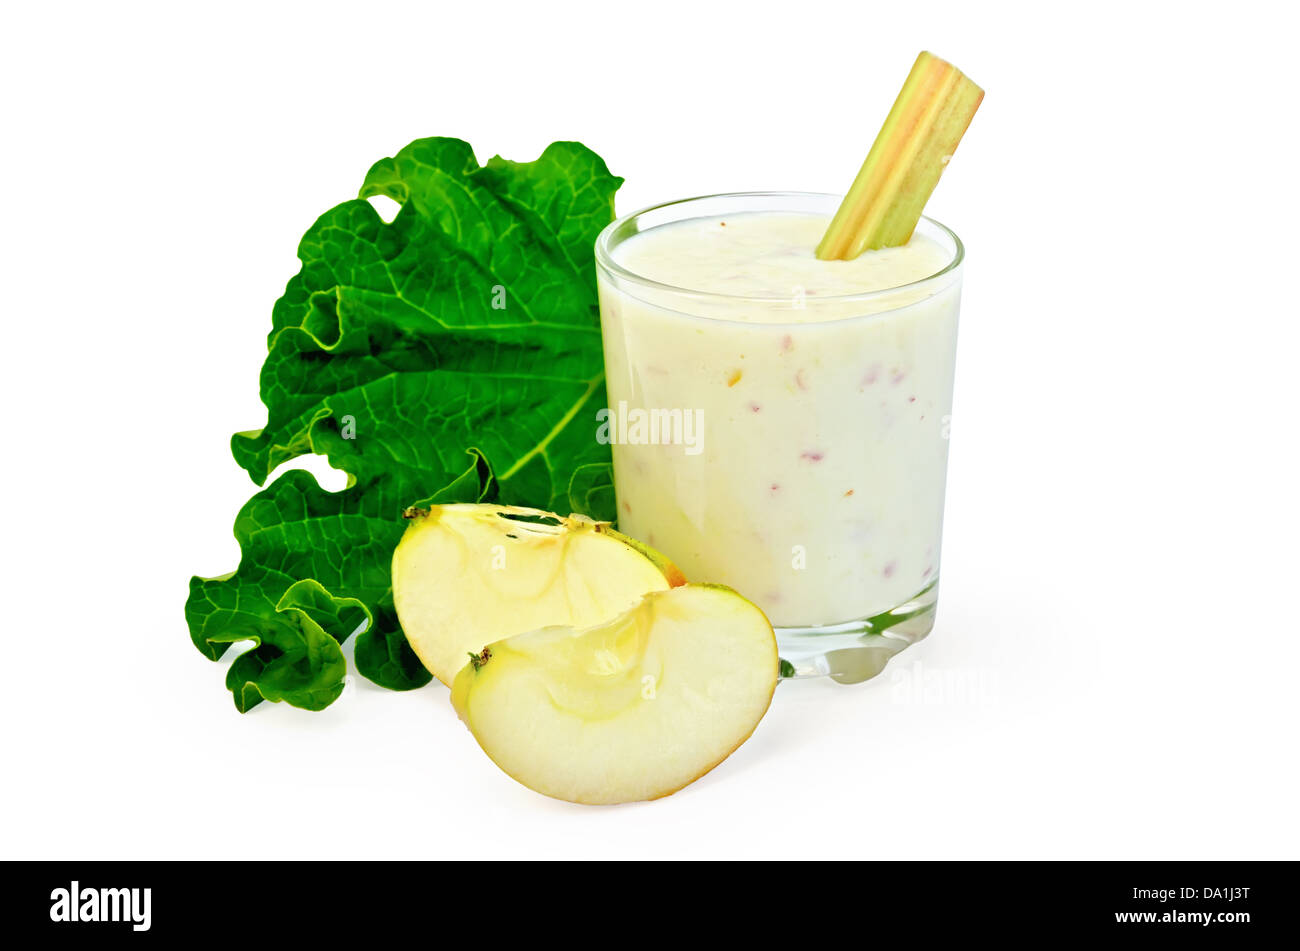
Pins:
x: 629, y: 709
x: 468, y: 574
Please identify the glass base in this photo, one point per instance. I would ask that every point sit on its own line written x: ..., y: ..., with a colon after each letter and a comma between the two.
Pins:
x: 855, y: 651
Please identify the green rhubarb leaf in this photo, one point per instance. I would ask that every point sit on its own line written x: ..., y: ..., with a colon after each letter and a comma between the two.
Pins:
x: 468, y: 324
x: 296, y: 661
x: 591, y: 489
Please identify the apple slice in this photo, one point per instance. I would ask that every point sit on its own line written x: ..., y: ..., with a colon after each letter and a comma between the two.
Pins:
x: 468, y: 574
x: 633, y: 708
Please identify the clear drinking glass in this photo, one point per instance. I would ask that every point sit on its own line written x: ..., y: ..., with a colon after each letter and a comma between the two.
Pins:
x: 814, y: 484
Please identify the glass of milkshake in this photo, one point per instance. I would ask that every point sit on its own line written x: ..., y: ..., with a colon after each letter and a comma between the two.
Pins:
x: 779, y: 422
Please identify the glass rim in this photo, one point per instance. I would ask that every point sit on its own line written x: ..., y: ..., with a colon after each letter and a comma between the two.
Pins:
x: 605, y: 259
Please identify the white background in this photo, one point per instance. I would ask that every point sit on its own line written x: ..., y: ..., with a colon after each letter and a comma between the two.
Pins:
x: 1113, y: 673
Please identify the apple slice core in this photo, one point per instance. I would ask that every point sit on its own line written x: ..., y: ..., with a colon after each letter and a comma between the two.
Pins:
x: 629, y: 709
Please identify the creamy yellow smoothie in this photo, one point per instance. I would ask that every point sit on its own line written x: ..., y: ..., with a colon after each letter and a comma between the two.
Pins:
x: 821, y: 392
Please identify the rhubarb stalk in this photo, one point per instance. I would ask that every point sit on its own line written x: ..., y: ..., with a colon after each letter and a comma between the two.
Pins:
x: 914, y: 146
